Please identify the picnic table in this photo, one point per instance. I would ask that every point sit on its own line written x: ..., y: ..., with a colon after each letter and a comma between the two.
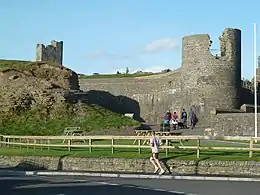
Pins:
x: 158, y: 133
x: 73, y: 131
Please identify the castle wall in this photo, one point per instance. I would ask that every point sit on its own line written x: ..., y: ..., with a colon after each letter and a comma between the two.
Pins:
x: 204, y: 82
x: 154, y: 94
x: 235, y: 124
x: 211, y: 82
x: 53, y: 52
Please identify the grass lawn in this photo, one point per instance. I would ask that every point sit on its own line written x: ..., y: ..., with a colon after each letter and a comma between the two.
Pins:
x: 103, y: 76
x: 12, y: 63
x: 131, y: 153
x: 38, y: 123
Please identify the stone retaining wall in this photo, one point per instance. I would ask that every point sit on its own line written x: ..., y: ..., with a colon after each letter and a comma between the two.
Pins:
x: 235, y: 124
x: 245, y: 168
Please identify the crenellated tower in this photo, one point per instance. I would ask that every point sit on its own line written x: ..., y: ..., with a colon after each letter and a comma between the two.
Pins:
x: 208, y: 81
x: 52, y: 52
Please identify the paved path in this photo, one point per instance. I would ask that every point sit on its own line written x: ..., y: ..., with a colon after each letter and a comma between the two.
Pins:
x: 72, y: 185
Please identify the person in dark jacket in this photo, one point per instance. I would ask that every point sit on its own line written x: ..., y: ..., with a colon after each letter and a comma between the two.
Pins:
x: 184, y: 117
x: 192, y: 117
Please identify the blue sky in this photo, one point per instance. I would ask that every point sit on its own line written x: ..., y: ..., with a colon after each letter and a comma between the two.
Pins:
x: 104, y: 36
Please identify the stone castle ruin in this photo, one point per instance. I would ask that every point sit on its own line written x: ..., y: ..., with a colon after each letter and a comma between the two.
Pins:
x: 209, y: 84
x: 52, y: 52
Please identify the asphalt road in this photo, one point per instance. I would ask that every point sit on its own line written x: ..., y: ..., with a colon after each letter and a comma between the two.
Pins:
x: 65, y: 185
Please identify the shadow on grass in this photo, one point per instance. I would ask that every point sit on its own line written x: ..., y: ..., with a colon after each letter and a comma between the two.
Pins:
x: 119, y: 104
x: 178, y: 154
x: 143, y: 127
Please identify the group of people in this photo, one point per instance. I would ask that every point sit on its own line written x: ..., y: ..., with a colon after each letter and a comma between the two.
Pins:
x: 155, y: 142
x: 170, y: 118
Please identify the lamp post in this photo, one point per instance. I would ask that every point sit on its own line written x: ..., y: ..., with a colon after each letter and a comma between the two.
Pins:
x: 242, y: 58
x: 255, y: 80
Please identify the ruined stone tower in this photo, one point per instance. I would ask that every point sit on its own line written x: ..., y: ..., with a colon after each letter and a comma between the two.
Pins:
x: 53, y: 52
x: 211, y: 82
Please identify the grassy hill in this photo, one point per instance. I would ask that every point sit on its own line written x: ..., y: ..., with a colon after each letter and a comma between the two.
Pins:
x: 31, y: 105
x: 38, y: 122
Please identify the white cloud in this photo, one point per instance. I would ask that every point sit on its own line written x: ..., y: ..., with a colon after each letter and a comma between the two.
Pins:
x: 162, y: 45
x: 154, y: 69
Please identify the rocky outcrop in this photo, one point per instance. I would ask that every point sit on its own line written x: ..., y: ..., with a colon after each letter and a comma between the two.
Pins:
x: 35, y: 84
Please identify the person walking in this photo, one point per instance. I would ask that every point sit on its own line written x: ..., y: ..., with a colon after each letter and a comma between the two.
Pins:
x: 155, y: 146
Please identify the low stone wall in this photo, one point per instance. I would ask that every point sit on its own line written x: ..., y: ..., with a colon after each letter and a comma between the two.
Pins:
x: 229, y: 168
x: 235, y: 124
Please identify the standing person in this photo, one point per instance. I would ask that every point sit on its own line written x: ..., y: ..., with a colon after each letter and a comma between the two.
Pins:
x: 167, y: 117
x: 155, y: 146
x: 166, y: 121
x: 192, y: 118
x: 184, y: 118
x: 175, y: 120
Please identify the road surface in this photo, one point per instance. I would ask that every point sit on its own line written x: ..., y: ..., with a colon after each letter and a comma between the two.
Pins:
x: 71, y: 185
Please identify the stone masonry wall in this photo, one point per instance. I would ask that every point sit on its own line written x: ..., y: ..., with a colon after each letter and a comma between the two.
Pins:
x: 211, y: 82
x: 53, y: 52
x: 229, y: 168
x: 153, y: 94
x: 235, y: 124
x: 204, y: 82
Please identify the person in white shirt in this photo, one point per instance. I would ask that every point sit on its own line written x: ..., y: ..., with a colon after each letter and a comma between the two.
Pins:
x: 155, y: 143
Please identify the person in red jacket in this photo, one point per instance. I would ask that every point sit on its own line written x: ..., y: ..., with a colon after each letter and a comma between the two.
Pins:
x: 175, y: 120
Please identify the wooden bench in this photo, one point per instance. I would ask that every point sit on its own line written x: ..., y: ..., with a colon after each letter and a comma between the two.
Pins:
x: 73, y: 131
x: 142, y: 133
x: 170, y: 133
x: 158, y: 133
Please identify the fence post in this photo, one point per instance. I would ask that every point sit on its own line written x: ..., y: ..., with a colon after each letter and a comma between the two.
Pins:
x: 49, y: 142
x: 34, y: 142
x: 13, y: 140
x: 8, y: 144
x: 139, y: 146
x: 41, y: 144
x: 112, y: 143
x: 250, y: 148
x: 69, y: 143
x: 20, y: 143
x: 198, y: 147
x: 167, y: 144
x: 90, y: 144
x: 28, y: 141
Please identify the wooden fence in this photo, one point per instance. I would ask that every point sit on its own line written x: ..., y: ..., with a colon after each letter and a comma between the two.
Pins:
x: 70, y: 142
